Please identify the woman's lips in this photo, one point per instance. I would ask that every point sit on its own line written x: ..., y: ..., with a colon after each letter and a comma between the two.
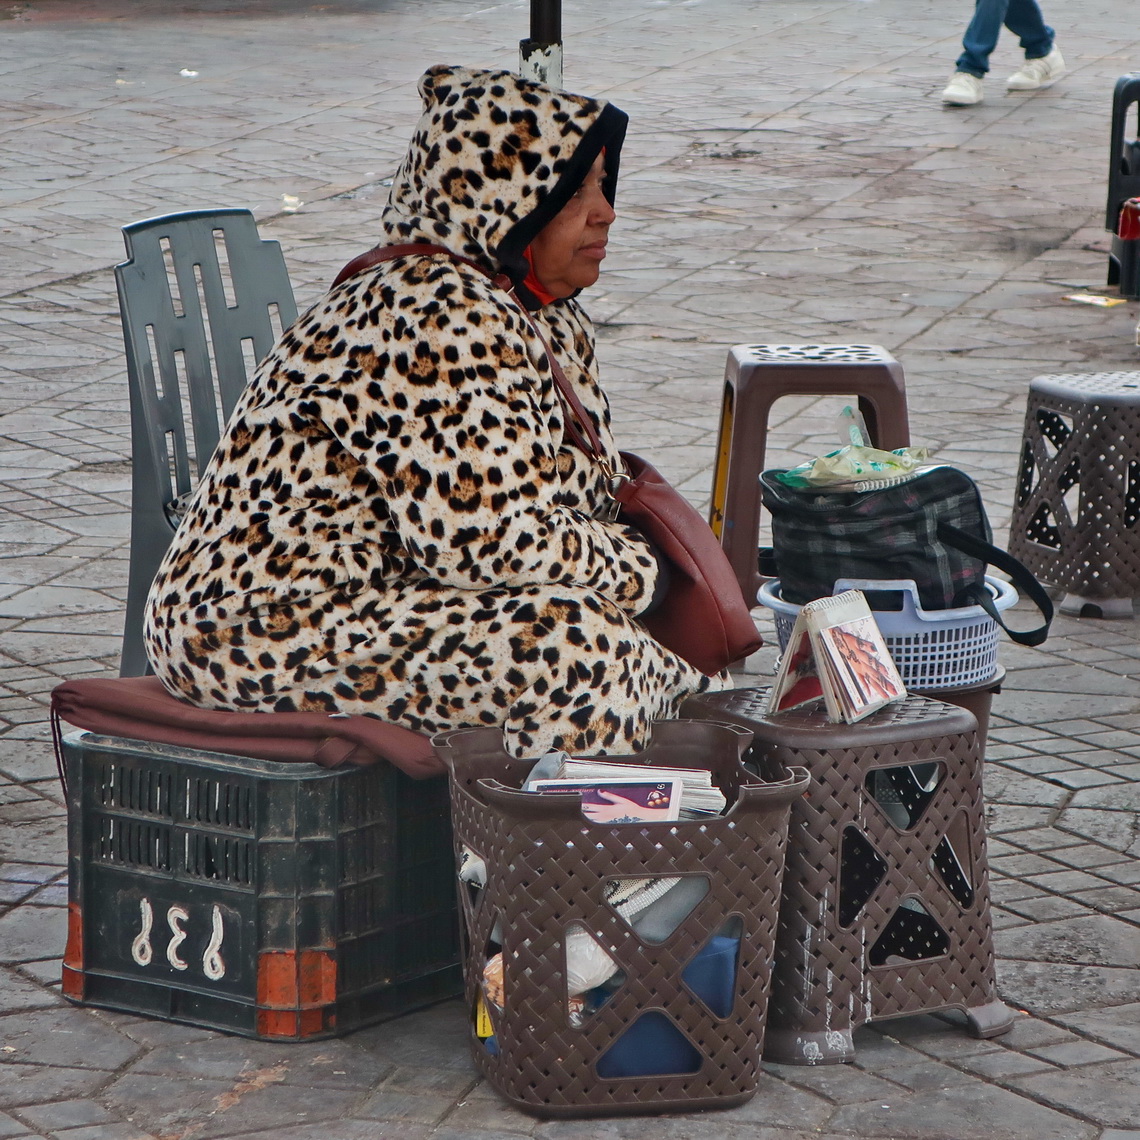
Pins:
x: 597, y: 250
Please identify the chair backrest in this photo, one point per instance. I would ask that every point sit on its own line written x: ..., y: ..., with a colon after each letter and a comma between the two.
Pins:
x: 203, y: 298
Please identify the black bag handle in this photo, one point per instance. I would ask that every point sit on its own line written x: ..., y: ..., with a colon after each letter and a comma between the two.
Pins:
x: 1021, y: 576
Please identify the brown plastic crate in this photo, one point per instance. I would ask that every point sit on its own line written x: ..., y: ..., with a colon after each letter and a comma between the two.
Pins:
x: 547, y: 868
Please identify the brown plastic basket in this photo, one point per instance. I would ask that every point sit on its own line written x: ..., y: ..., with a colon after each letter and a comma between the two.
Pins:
x: 547, y: 868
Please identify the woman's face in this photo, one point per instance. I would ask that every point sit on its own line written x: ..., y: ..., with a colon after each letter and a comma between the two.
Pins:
x: 568, y: 251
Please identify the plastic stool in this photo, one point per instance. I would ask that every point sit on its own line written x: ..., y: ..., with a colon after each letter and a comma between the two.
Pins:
x: 755, y: 377
x: 1075, y: 515
x: 885, y: 908
x: 1123, y: 183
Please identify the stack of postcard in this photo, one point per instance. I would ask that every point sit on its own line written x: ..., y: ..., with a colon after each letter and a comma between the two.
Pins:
x: 632, y: 793
x: 836, y: 651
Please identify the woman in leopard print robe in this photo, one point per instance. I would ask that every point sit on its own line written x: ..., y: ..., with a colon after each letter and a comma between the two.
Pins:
x: 396, y: 522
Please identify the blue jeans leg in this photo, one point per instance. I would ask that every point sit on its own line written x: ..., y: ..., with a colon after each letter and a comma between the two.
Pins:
x: 1022, y: 17
x: 982, y: 36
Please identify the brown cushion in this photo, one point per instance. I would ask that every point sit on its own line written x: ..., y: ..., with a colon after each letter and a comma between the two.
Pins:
x: 139, y: 708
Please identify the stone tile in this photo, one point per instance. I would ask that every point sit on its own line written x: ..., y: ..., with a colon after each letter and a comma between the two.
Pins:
x: 1109, y: 826
x: 33, y: 874
x: 254, y: 1099
x: 963, y: 1112
x: 1088, y: 855
x: 24, y: 1085
x: 32, y: 933
x: 1045, y: 838
x: 477, y: 1116
x: 68, y: 1038
x: 1112, y: 900
x: 1012, y: 892
x: 1029, y: 1033
x: 1102, y: 1093
x: 1002, y: 919
x: 928, y: 1076
x: 1116, y: 1028
x: 999, y: 1067
x: 1087, y: 778
x: 1094, y: 940
x: 346, y: 1129
x: 1013, y: 820
x: 1071, y: 1054
x: 778, y: 1104
x: 17, y: 993
x: 1021, y: 865
x: 120, y: 1130
x: 10, y: 1127
x: 1042, y: 908
x: 1066, y: 882
x: 841, y: 1084
x: 1108, y: 760
x: 66, y: 1114
x: 1050, y: 989
x: 406, y: 1108
x: 1034, y: 765
x: 44, y: 972
x: 1126, y: 873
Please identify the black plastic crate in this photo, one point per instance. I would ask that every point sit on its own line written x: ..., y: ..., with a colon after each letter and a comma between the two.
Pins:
x: 281, y: 901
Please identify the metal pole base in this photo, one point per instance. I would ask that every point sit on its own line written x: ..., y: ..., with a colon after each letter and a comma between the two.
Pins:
x: 541, y: 62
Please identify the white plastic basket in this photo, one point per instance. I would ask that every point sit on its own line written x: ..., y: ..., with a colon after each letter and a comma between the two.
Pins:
x: 932, y: 649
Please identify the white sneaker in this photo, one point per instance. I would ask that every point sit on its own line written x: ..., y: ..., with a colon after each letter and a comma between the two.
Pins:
x: 963, y: 90
x: 1034, y: 72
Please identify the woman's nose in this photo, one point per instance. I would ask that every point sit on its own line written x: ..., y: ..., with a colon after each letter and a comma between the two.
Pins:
x: 601, y: 212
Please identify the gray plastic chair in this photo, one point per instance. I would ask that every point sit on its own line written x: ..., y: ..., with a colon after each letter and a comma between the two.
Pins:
x: 198, y: 295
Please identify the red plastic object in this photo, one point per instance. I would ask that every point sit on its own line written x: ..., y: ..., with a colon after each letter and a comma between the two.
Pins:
x: 1129, y: 228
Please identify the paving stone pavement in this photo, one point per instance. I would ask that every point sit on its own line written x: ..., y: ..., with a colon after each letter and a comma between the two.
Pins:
x: 790, y: 177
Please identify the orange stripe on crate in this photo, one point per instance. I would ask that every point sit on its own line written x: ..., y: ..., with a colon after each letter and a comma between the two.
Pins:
x: 73, y: 955
x: 276, y: 1023
x: 295, y: 991
x: 293, y: 1024
x: 287, y: 979
x: 72, y: 982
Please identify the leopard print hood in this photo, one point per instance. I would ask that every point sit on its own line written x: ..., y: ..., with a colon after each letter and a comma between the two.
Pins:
x: 493, y: 159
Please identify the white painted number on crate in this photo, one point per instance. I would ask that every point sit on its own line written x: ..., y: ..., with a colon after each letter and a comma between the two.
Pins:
x: 141, y: 949
x: 175, y: 916
x: 213, y: 964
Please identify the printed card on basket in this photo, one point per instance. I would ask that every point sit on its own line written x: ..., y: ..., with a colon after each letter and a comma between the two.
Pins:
x: 621, y: 801
x: 836, y: 651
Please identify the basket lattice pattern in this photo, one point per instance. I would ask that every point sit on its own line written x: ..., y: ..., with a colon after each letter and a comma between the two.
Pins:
x: 1077, y: 507
x: 886, y: 907
x: 547, y: 871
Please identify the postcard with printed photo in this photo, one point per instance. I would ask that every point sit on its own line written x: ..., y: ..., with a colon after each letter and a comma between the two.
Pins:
x: 621, y: 801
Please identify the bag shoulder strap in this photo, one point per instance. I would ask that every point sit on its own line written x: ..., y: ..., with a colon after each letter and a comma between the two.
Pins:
x: 1019, y: 574
x: 381, y: 253
x: 579, y: 426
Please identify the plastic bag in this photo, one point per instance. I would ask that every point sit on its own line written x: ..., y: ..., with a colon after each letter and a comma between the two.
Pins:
x: 856, y: 466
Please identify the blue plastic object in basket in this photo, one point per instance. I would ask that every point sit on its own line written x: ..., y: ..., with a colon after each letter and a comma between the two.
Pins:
x: 932, y: 649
